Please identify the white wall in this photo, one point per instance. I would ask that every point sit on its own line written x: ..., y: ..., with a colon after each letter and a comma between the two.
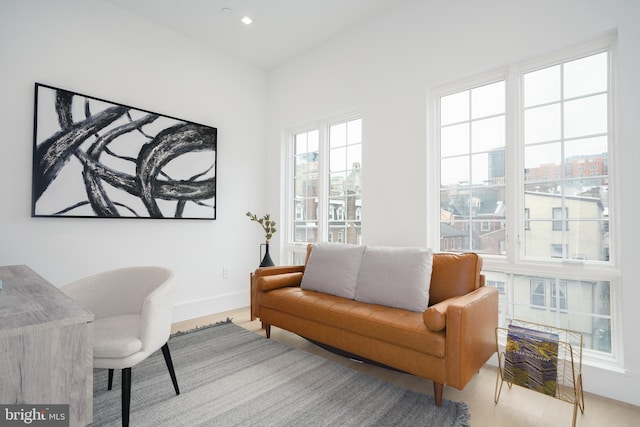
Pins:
x: 386, y: 69
x: 95, y: 48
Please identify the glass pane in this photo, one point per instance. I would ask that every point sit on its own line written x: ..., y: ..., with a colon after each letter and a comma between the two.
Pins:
x: 454, y: 171
x: 337, y: 183
x: 454, y: 108
x: 337, y: 210
x: 354, y: 181
x: 487, y: 100
x: 354, y: 157
x: 588, y: 307
x: 542, y: 162
x: 305, y: 233
x: 354, y: 234
x: 587, y: 148
x: 313, y: 140
x: 307, y: 186
x: 586, y: 116
x: 586, y: 76
x: 453, y: 237
x: 491, y: 237
x: 338, y: 135
x: 354, y: 131
x: 299, y: 258
x: 300, y: 144
x: 338, y: 159
x: 311, y: 160
x: 542, y: 124
x: 542, y: 87
x: 588, y: 240
x: 540, y: 247
x: 585, y: 236
x: 546, y: 191
x: 593, y: 187
x: 299, y: 187
x: 454, y: 140
x: 353, y: 208
x: 480, y: 169
x: 301, y: 161
x: 501, y: 281
x: 310, y: 209
x: 454, y: 202
x: 337, y: 233
x: 580, y: 207
x: 306, y: 142
x: 487, y: 134
x: 540, y: 200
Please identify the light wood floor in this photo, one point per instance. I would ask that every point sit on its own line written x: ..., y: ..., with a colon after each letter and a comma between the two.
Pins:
x: 517, y: 406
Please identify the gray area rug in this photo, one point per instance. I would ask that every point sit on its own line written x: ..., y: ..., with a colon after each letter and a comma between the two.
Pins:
x: 229, y: 376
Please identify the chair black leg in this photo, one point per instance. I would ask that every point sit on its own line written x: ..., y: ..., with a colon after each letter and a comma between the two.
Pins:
x: 126, y: 396
x: 110, y: 379
x: 167, y: 359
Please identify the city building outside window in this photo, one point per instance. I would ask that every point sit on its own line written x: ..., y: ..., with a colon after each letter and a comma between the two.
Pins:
x: 538, y: 293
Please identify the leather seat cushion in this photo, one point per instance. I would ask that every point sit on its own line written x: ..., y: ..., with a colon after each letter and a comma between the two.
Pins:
x: 394, y: 325
x: 117, y: 336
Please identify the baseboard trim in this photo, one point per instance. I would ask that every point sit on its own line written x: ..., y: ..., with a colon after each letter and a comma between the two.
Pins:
x: 205, y: 307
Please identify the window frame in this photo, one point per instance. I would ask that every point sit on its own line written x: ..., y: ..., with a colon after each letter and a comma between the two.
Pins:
x: 514, y: 262
x: 292, y: 249
x: 560, y: 223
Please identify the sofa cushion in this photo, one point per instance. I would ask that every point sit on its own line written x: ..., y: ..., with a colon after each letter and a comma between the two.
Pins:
x: 395, y: 277
x: 332, y: 268
x: 390, y: 325
x: 454, y: 274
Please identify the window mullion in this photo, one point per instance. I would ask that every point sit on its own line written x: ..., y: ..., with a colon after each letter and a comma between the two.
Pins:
x: 514, y: 167
x: 323, y: 185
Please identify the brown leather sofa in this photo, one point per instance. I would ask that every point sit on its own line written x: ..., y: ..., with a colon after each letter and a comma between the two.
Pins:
x: 446, y: 344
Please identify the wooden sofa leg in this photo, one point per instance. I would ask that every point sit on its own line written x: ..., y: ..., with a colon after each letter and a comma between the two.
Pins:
x: 267, y: 329
x: 437, y: 391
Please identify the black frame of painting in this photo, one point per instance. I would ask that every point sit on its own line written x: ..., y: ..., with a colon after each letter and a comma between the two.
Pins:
x: 94, y: 158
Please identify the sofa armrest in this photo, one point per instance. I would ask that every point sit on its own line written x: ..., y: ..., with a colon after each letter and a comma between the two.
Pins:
x: 435, y: 317
x: 268, y: 278
x: 258, y: 281
x: 271, y: 271
x: 283, y: 280
x: 470, y: 333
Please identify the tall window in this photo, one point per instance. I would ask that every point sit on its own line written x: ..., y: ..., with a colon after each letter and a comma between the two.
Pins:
x: 524, y: 177
x: 565, y: 111
x: 472, y: 167
x: 325, y: 176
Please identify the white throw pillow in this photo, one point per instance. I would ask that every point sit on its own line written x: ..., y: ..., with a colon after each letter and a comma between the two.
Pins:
x: 395, y: 277
x: 333, y: 268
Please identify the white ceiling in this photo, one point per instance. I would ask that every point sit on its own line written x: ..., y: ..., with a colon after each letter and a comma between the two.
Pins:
x: 281, y: 29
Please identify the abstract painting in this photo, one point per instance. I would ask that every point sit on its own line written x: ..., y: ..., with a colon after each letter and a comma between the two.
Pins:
x: 98, y: 159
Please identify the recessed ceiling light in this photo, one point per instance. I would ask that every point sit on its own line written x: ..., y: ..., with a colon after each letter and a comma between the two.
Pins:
x: 246, y: 20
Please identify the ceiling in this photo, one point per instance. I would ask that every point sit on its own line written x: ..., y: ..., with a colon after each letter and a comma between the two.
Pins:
x: 281, y: 29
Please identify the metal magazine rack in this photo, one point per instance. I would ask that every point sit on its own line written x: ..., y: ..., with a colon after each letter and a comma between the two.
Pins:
x: 542, y: 358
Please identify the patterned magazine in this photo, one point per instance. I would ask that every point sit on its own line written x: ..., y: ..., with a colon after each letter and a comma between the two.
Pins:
x: 531, y: 359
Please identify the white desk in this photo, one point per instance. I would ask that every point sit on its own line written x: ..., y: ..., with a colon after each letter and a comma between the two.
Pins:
x: 46, y: 345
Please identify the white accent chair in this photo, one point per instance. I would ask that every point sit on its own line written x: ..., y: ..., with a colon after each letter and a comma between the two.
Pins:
x: 132, y: 308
